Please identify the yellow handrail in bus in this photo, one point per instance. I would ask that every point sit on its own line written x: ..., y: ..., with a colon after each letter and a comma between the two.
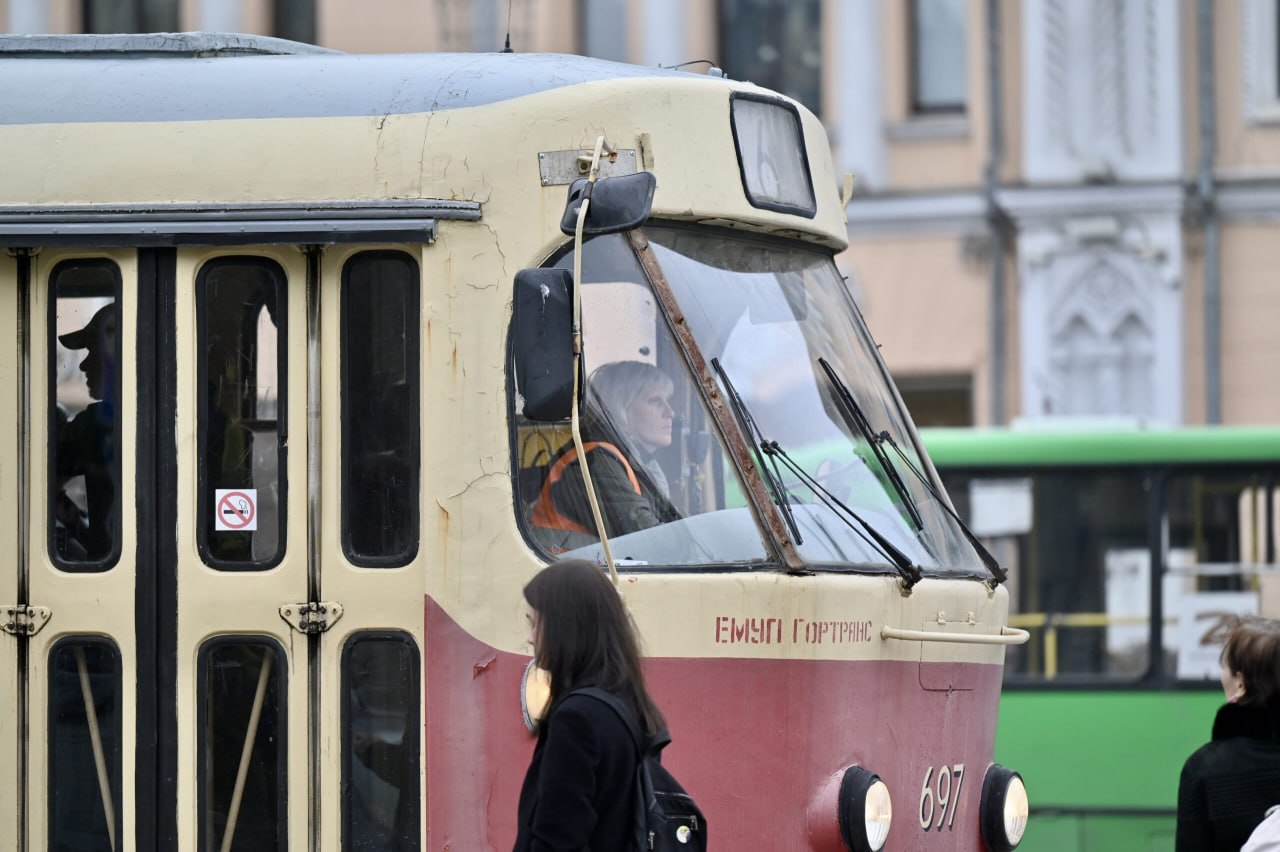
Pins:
x: 1052, y: 621
x: 1006, y: 636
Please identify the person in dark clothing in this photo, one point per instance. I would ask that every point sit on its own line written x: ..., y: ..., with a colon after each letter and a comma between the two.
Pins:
x: 578, y: 793
x: 87, y: 447
x: 628, y: 418
x: 1228, y: 784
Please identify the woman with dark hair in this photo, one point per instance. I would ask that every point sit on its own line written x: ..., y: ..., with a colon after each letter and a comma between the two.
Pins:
x: 1228, y: 784
x: 578, y: 793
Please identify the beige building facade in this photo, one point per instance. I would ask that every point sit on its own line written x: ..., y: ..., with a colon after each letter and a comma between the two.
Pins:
x: 1064, y: 208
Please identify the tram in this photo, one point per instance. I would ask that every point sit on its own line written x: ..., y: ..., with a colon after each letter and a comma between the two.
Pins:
x: 293, y: 342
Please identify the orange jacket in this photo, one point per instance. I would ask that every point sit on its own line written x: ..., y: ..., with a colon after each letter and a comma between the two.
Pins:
x: 545, y: 513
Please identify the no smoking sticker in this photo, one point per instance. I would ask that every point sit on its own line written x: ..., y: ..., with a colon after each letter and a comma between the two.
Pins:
x: 235, y: 510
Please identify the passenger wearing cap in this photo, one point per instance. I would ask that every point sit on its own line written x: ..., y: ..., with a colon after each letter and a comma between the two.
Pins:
x: 87, y: 446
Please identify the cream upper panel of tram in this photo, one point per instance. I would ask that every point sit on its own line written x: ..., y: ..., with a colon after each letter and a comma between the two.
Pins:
x: 485, y: 153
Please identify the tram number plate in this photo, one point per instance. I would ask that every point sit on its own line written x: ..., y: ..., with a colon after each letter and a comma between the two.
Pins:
x: 940, y: 797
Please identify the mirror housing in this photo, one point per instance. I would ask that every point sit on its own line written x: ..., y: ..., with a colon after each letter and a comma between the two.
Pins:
x: 542, y: 342
x: 618, y: 203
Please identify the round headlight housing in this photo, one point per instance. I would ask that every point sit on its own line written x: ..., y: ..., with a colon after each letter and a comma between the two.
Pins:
x: 535, y: 692
x: 865, y: 810
x: 1005, y: 808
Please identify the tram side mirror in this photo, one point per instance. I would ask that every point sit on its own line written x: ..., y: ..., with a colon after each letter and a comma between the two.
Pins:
x: 618, y: 203
x: 542, y: 316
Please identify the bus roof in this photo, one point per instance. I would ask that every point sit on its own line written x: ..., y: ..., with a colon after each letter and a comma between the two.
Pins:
x: 1016, y: 448
x: 203, y: 76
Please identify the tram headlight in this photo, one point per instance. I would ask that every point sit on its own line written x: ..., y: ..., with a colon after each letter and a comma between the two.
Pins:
x: 1005, y: 808
x: 865, y: 810
x: 535, y: 692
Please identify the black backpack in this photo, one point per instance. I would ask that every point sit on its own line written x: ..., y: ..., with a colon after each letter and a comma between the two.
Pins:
x: 667, y: 819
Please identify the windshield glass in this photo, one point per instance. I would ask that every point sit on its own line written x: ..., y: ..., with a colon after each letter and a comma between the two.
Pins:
x: 766, y: 312
x: 667, y: 492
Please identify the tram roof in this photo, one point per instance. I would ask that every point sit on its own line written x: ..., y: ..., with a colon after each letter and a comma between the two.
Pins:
x: 210, y: 76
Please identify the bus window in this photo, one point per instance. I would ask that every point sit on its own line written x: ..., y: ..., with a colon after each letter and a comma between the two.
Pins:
x: 380, y: 727
x: 242, y: 745
x: 84, y: 389
x: 1219, y: 535
x: 84, y: 745
x: 1075, y: 546
x: 242, y: 407
x: 667, y: 491
x: 380, y: 409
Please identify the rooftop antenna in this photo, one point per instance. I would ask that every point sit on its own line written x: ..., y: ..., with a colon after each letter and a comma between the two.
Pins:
x: 507, y: 47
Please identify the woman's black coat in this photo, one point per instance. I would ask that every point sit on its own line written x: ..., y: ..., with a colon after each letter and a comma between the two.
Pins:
x: 1228, y: 784
x: 578, y: 794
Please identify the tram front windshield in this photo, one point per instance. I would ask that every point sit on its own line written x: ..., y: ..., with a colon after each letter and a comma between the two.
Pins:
x: 798, y: 371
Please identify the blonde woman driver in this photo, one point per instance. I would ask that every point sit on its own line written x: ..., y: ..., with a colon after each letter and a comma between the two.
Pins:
x: 627, y: 419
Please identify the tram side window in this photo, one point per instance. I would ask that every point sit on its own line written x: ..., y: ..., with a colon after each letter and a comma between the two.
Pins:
x: 380, y: 409
x: 1075, y: 544
x: 1222, y: 528
x: 242, y: 412
x: 242, y: 735
x: 380, y: 725
x: 85, y: 409
x: 84, y: 745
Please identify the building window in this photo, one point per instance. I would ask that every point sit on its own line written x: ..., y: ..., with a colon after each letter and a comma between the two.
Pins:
x: 130, y: 16
x: 1262, y: 60
x: 938, y: 400
x: 938, y: 56
x: 776, y: 44
x: 602, y: 28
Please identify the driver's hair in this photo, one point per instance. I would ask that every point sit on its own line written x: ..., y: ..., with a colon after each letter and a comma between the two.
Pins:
x: 612, y: 387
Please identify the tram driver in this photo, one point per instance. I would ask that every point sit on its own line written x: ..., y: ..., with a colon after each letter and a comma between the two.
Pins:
x: 86, y: 447
x: 627, y: 419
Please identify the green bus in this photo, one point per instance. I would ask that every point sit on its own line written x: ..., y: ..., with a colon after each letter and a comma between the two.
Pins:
x: 1128, y: 550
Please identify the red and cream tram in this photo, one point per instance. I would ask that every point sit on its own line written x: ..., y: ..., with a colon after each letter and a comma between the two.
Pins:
x: 288, y: 363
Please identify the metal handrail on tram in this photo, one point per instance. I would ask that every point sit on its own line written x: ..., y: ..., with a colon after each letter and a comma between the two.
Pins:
x: 246, y: 751
x: 95, y: 737
x: 1006, y: 636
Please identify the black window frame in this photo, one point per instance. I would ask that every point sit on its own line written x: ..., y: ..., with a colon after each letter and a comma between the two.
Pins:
x: 1158, y: 677
x: 112, y: 559
x: 280, y: 674
x: 116, y: 756
x: 204, y: 499
x: 764, y: 204
x: 413, y: 355
x: 402, y: 638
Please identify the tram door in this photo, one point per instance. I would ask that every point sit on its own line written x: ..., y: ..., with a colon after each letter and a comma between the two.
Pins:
x: 300, y: 593
x: 10, y: 423
x: 213, y: 516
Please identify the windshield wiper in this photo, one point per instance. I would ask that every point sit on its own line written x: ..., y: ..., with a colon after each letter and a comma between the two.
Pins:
x: 781, y: 498
x: 988, y: 559
x: 860, y: 422
x: 911, y: 573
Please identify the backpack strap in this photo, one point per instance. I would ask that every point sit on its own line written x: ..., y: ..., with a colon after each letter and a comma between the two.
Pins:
x: 644, y: 745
